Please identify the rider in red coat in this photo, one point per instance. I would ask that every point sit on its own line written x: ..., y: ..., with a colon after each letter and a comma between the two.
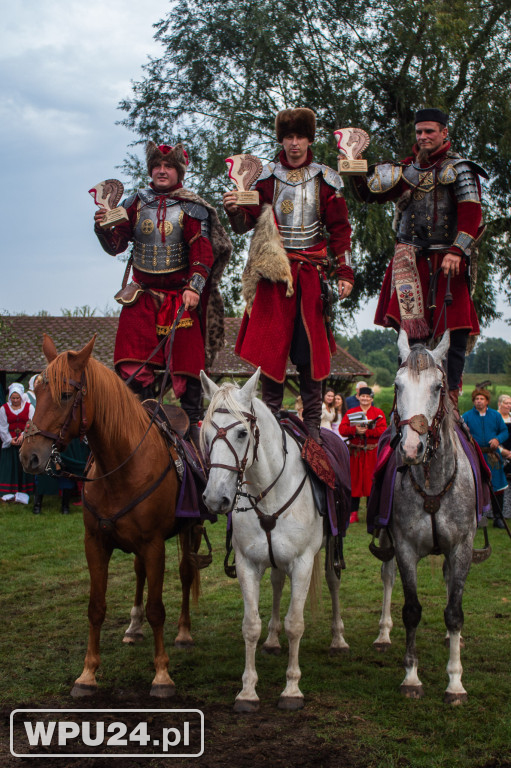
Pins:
x: 285, y: 315
x: 439, y: 222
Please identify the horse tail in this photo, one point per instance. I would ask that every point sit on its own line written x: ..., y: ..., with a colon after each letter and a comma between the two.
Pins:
x: 315, y: 585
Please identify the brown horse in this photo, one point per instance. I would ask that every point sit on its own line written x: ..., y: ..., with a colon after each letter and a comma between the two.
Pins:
x: 130, y: 502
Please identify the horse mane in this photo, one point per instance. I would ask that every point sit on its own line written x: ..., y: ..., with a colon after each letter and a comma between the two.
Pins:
x: 116, y: 406
x: 223, y: 397
x: 420, y: 359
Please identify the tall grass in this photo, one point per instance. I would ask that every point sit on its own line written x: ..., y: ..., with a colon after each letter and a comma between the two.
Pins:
x: 43, y: 605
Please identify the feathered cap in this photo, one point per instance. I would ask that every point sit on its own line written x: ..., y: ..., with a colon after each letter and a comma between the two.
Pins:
x: 176, y: 157
x: 301, y: 121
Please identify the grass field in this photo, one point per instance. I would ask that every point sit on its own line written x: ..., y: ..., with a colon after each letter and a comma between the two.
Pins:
x: 355, y: 698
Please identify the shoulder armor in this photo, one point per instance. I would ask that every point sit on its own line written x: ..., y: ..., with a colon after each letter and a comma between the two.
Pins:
x: 265, y: 173
x: 332, y: 178
x: 383, y: 177
x: 195, y: 210
x: 455, y: 166
x: 128, y: 201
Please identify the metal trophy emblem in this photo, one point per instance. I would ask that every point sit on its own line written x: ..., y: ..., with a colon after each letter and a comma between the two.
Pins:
x: 107, y: 194
x: 244, y: 170
x: 351, y: 142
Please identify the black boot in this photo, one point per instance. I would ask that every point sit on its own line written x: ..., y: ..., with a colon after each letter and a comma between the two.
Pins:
x: 38, y: 503
x: 310, y: 391
x: 66, y: 495
x: 194, y: 435
x: 273, y: 393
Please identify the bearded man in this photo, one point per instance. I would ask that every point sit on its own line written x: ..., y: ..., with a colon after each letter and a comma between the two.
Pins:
x: 285, y: 281
x: 179, y: 250
x: 439, y: 223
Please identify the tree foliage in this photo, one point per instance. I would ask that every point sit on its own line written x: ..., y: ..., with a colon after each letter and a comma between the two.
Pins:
x: 489, y: 356
x: 227, y: 68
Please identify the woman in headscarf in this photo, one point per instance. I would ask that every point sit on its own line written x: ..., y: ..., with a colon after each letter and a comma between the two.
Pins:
x: 15, y: 484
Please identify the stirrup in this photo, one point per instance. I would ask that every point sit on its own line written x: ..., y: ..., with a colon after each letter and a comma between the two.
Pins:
x: 202, y: 561
x: 385, y: 554
x: 480, y: 555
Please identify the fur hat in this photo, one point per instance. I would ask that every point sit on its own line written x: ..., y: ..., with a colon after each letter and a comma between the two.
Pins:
x: 483, y: 392
x: 301, y: 121
x: 176, y: 157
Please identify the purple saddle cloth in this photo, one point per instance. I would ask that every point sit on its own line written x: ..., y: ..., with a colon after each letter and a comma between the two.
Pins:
x: 338, y: 499
x: 379, y: 504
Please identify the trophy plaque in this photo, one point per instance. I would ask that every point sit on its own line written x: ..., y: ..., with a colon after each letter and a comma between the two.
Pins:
x: 351, y: 142
x: 244, y: 170
x: 107, y: 194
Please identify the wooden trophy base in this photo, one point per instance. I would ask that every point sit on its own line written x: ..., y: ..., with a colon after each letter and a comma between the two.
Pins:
x: 352, y: 167
x: 114, y: 217
x: 247, y: 197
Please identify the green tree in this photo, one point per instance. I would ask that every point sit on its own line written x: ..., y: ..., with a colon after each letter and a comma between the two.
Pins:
x: 227, y: 68
x: 489, y: 356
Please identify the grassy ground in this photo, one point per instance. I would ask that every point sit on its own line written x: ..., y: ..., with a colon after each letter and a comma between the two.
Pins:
x: 43, y: 604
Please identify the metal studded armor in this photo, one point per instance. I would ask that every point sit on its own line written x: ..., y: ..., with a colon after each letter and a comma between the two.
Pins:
x: 429, y: 219
x: 296, y: 202
x: 158, y: 243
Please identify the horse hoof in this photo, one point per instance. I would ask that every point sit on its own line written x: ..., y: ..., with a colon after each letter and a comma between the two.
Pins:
x: 185, y: 644
x: 79, y: 690
x: 291, y: 703
x: 381, y: 647
x: 163, y: 691
x: 342, y: 650
x: 412, y: 691
x: 132, y: 638
x: 246, y: 705
x: 455, y: 699
x: 271, y: 650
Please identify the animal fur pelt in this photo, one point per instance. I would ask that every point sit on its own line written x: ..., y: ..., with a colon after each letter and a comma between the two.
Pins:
x: 266, y: 258
x: 222, y: 248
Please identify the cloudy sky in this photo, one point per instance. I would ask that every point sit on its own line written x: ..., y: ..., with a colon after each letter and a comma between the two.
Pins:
x: 64, y: 67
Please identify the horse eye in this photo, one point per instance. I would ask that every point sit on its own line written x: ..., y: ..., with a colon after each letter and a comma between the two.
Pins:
x: 242, y: 433
x: 66, y: 396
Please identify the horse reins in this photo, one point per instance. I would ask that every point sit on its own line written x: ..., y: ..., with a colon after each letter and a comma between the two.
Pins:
x: 266, y: 521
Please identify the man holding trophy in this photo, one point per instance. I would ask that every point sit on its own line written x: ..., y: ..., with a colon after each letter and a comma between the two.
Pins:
x: 438, y: 225
x: 179, y: 250
x: 285, y: 281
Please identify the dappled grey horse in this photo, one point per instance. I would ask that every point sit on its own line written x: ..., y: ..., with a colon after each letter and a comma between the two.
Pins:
x: 434, y: 509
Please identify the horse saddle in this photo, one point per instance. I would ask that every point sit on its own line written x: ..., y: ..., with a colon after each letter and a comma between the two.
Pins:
x: 169, y: 418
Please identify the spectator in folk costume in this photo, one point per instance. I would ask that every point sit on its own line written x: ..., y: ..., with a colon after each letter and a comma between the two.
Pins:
x: 438, y: 224
x: 15, y: 484
x: 362, y: 442
x: 284, y: 283
x: 489, y: 430
x: 352, y: 400
x: 179, y: 250
x: 504, y: 408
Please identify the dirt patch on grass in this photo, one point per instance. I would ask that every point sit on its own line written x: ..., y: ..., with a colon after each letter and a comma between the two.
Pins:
x: 268, y: 737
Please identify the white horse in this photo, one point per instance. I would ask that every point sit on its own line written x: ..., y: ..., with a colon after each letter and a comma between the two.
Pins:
x: 434, y: 509
x: 279, y: 526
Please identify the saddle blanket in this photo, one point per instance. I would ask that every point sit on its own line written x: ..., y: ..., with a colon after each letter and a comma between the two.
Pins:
x: 379, y: 504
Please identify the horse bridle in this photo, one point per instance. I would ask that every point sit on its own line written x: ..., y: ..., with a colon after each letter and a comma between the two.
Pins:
x: 419, y: 422
x: 266, y: 521
x: 31, y: 429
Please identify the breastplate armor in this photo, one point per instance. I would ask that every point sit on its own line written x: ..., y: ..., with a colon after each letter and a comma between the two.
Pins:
x: 149, y: 253
x: 431, y: 220
x: 296, y: 206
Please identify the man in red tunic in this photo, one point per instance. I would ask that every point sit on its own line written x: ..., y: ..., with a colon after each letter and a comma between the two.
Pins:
x: 178, y: 243
x: 438, y: 202
x: 299, y: 200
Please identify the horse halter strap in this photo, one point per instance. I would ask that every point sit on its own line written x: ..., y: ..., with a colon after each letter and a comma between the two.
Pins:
x: 221, y: 434
x: 32, y: 429
x: 419, y: 422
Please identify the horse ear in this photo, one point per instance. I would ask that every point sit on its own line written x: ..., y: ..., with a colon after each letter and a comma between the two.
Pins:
x: 209, y: 387
x: 249, y: 390
x: 49, y: 348
x: 81, y: 358
x: 403, y: 346
x: 440, y: 352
